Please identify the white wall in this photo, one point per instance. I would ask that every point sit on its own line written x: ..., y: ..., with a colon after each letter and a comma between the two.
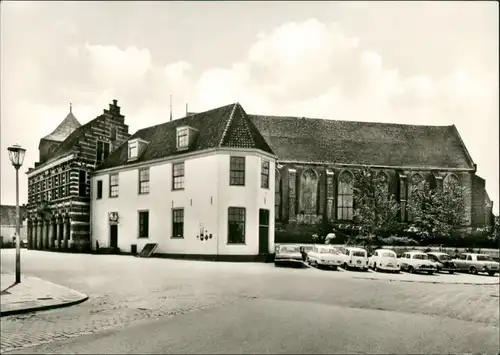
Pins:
x: 205, y: 199
x: 251, y: 196
x: 8, y: 232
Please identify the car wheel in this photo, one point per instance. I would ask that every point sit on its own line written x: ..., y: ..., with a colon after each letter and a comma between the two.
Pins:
x: 375, y: 267
x: 345, y: 266
x: 451, y: 272
x: 473, y: 270
x: 308, y: 261
x: 491, y: 273
x: 430, y: 272
x: 410, y: 269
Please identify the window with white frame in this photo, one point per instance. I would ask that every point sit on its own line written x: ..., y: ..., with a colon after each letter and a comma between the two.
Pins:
x: 264, y: 174
x: 236, y: 225
x: 132, y: 149
x: 113, y: 185
x: 182, y: 138
x: 178, y: 223
x: 178, y: 176
x: 144, y: 181
x: 237, y: 171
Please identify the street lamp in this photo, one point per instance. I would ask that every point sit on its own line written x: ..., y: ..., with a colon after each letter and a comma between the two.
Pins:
x: 16, y: 156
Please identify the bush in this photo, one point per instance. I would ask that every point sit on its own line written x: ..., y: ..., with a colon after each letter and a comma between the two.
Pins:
x: 8, y: 245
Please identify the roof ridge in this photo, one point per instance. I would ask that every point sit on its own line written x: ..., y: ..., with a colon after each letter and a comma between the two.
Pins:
x: 332, y: 119
x: 467, y: 154
x: 228, y: 124
x: 181, y: 118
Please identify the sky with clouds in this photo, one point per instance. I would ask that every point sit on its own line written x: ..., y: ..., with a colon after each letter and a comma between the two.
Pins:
x: 433, y: 63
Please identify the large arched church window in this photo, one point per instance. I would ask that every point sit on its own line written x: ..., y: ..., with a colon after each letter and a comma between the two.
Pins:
x: 309, y: 192
x: 277, y: 196
x: 384, y: 182
x: 451, y: 180
x: 417, y: 182
x: 345, y: 196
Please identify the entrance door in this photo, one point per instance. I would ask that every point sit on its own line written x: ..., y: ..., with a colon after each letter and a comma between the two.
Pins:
x: 263, y: 231
x: 113, y: 236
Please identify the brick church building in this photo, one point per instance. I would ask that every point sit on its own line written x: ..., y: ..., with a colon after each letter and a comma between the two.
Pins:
x: 317, y: 157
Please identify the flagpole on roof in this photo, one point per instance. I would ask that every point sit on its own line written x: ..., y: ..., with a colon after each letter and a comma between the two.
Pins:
x: 170, y: 107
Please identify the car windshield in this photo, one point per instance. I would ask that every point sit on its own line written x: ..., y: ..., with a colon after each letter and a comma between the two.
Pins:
x: 388, y: 254
x: 358, y: 253
x: 289, y: 249
x: 444, y: 257
x: 327, y: 251
x: 483, y: 258
x: 420, y: 256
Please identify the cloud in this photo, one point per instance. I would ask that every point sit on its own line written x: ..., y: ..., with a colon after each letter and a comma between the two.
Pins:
x: 307, y: 68
x: 112, y: 65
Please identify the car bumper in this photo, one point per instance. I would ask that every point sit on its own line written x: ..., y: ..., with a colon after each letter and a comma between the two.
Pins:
x: 486, y: 269
x: 388, y: 267
x: 287, y: 260
x: 329, y: 263
x: 427, y: 269
x: 358, y: 266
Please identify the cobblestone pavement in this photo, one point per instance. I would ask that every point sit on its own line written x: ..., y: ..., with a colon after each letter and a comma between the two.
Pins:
x: 125, y: 290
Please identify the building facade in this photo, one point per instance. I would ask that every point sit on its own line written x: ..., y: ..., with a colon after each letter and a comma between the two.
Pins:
x: 317, y: 159
x: 200, y: 186
x: 8, y: 223
x: 58, y: 209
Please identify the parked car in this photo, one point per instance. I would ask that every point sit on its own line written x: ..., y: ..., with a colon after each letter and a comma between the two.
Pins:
x: 384, y: 260
x: 324, y: 255
x: 354, y: 258
x: 415, y: 262
x: 288, y: 255
x: 476, y: 263
x: 442, y: 261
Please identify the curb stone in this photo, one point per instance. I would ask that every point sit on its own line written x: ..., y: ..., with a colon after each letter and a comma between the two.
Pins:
x: 70, y: 298
x: 43, y: 308
x: 429, y: 282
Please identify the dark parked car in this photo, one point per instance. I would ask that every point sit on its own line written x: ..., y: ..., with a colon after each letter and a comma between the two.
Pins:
x: 443, y: 262
x: 288, y: 255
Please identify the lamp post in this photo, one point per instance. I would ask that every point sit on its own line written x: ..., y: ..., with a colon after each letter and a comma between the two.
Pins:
x: 16, y: 156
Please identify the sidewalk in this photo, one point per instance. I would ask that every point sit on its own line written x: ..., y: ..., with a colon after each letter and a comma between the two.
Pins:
x: 34, y: 294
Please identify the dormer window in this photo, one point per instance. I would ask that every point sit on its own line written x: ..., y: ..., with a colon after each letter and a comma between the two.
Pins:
x: 185, y: 137
x: 132, y: 150
x: 135, y: 148
x: 182, y: 138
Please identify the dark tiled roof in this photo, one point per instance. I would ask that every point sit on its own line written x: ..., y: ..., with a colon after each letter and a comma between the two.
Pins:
x: 366, y: 143
x: 65, y: 128
x: 70, y: 142
x: 227, y: 126
x: 8, y: 215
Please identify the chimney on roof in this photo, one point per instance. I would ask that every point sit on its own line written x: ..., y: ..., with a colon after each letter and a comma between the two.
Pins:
x: 186, y: 108
x: 70, y: 108
x: 114, y: 108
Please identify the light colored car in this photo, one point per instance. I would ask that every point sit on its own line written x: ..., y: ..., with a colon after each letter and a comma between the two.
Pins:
x: 354, y: 258
x: 415, y: 262
x: 324, y: 255
x: 288, y: 255
x: 443, y: 262
x: 384, y: 260
x: 476, y: 263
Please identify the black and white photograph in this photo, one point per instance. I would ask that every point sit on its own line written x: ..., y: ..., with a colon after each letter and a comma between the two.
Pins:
x: 249, y: 177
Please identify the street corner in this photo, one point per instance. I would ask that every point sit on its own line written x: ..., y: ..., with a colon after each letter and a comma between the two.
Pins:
x: 436, y: 278
x: 34, y: 294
